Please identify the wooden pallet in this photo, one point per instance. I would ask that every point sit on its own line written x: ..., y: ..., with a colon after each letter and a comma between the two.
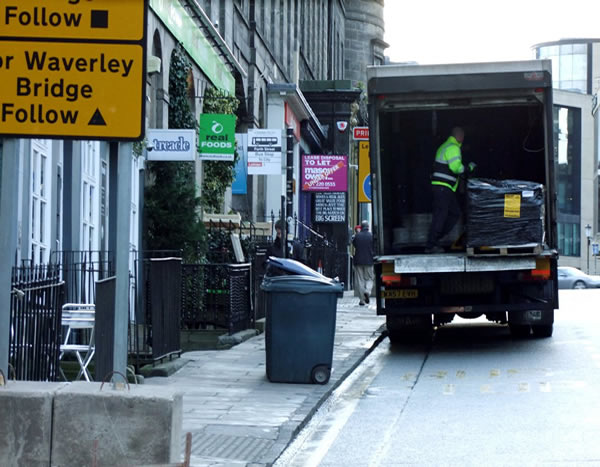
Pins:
x: 528, y: 249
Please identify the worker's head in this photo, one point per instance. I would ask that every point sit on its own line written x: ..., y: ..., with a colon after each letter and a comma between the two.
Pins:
x: 278, y: 227
x: 364, y: 225
x: 458, y: 133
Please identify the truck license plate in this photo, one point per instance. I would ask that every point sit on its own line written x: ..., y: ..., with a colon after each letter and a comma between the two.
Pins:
x: 400, y: 293
x: 534, y: 315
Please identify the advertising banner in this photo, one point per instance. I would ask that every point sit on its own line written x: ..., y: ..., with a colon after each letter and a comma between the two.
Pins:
x: 171, y: 145
x: 364, y: 173
x: 329, y: 207
x: 324, y: 172
x: 264, y: 152
x: 217, y: 137
x: 240, y: 182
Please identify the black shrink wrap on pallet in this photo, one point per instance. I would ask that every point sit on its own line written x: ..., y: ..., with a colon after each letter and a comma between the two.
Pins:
x: 504, y: 212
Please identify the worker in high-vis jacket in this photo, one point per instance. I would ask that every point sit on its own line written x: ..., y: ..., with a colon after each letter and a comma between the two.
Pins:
x: 447, y: 169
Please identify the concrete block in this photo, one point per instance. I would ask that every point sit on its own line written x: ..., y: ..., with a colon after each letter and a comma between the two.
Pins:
x: 26, y: 426
x: 138, y: 426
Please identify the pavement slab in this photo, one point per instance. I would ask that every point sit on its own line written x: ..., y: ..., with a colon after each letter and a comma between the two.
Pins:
x: 237, y: 416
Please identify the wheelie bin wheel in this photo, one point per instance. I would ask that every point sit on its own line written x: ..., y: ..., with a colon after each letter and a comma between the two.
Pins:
x: 320, y: 374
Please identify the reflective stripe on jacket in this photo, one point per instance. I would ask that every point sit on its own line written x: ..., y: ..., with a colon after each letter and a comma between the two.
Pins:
x: 448, y: 164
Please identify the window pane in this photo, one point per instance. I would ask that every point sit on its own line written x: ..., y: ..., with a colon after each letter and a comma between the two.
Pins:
x: 566, y: 68
x: 91, y: 205
x: 566, y: 49
x: 34, y: 208
x: 43, y: 160
x: 579, y: 67
x: 34, y: 169
x: 42, y: 221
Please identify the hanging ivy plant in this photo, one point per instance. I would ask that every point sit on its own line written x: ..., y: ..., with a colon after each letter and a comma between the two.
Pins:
x: 172, y: 208
x: 218, y: 175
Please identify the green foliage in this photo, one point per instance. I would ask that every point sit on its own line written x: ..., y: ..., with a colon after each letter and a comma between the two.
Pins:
x: 218, y: 175
x: 172, y: 208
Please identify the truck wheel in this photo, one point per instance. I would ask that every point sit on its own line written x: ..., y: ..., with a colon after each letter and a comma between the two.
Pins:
x: 542, y: 330
x: 519, y: 331
x: 320, y: 374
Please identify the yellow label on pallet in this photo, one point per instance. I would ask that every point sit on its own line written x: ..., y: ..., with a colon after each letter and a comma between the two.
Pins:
x: 512, y: 206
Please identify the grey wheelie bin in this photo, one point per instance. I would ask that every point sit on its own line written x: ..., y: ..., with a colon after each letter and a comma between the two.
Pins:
x: 300, y: 322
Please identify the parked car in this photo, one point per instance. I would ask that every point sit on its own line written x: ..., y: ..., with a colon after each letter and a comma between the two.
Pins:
x: 573, y: 278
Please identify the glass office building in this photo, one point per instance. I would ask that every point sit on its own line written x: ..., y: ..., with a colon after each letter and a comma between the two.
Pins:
x: 572, y: 63
x: 576, y: 77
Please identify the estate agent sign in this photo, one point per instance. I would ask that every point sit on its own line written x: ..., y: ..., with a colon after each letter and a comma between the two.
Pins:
x: 324, y: 172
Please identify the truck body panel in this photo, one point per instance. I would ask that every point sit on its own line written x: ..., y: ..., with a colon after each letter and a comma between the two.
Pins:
x: 506, y: 111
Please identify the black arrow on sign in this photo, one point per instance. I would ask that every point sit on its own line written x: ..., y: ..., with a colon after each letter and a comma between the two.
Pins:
x: 97, y: 119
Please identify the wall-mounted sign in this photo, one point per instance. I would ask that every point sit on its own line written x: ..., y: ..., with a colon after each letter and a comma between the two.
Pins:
x: 73, y: 69
x: 264, y: 152
x: 364, y: 173
x: 329, y: 207
x: 171, y: 145
x: 324, y: 172
x: 240, y: 181
x: 360, y: 133
x: 216, y: 141
x: 292, y: 121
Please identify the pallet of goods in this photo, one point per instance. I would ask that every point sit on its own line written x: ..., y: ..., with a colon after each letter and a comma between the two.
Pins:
x: 504, y: 217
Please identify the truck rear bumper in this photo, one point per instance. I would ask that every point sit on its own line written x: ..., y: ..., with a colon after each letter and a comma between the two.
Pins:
x: 481, y: 290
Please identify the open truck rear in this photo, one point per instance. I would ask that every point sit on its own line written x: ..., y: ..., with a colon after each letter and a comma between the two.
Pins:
x: 505, y: 109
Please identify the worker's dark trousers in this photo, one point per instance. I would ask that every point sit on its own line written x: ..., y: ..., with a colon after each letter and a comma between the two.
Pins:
x: 446, y: 213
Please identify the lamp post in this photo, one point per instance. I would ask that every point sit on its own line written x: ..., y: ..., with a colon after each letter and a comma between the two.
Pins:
x: 588, y: 235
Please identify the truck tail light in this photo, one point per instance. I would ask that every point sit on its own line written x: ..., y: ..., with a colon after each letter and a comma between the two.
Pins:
x: 541, y: 272
x: 390, y: 278
x: 397, y: 280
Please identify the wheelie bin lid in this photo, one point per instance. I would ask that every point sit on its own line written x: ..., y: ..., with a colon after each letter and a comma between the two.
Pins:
x: 284, y: 266
x: 302, y: 284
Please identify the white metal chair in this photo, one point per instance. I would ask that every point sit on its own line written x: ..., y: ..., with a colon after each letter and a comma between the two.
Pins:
x: 78, y: 317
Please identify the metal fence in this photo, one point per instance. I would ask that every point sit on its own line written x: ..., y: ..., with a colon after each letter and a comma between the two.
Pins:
x: 80, y: 270
x: 221, y: 294
x: 35, y: 316
x: 216, y: 296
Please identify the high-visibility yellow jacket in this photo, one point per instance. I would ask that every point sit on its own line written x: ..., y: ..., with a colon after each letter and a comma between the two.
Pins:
x: 448, y: 164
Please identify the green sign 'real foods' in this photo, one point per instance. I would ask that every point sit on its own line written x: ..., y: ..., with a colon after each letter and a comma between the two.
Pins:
x: 217, y: 137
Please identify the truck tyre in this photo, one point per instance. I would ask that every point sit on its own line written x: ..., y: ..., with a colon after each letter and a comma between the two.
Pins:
x: 542, y: 330
x: 519, y: 331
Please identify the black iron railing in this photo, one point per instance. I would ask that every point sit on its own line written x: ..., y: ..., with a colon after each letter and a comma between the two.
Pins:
x: 80, y: 270
x: 35, y: 332
x: 216, y: 296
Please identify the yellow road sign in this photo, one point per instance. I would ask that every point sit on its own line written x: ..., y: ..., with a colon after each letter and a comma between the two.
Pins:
x: 120, y: 20
x: 364, y: 173
x: 72, y: 89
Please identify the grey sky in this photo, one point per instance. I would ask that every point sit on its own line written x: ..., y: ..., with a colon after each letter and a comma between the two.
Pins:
x: 430, y: 31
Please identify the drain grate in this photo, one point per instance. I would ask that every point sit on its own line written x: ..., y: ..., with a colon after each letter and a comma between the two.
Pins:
x: 243, y: 448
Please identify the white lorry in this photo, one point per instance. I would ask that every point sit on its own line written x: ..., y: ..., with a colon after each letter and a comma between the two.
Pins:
x: 505, y: 109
